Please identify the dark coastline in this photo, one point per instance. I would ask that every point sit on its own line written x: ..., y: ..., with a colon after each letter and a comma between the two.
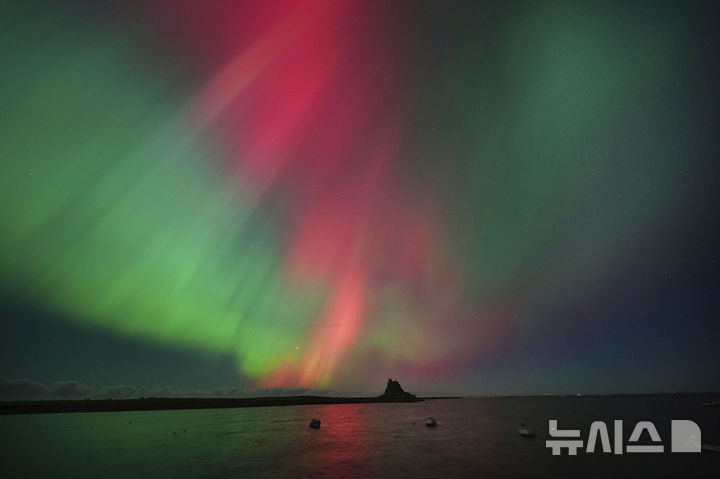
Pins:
x: 394, y: 393
x: 157, y: 404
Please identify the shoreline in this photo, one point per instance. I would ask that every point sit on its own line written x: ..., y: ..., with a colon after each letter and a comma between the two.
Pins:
x: 161, y: 404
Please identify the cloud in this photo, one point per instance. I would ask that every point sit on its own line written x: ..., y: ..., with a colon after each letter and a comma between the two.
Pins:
x: 72, y: 389
x: 230, y: 391
x: 283, y: 392
x: 29, y: 388
x: 25, y: 387
x: 119, y: 391
x: 238, y: 392
x: 169, y: 391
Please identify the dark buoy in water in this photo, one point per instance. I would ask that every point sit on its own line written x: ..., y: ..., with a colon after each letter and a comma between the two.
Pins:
x: 430, y: 422
x: 315, y: 423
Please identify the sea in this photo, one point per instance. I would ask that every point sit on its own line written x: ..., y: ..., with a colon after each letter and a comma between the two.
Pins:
x: 474, y: 438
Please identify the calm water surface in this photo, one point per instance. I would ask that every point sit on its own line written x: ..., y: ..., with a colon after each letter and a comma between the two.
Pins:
x: 474, y: 438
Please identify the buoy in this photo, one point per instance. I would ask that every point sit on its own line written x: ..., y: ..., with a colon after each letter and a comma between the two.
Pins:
x: 430, y: 422
x: 315, y: 423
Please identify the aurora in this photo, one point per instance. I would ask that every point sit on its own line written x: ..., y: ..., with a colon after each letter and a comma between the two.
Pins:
x: 504, y: 199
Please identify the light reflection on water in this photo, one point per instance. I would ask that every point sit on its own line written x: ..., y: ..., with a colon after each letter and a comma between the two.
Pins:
x: 474, y: 437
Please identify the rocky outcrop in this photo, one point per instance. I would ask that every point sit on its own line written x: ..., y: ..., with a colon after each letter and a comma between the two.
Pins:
x: 395, y: 392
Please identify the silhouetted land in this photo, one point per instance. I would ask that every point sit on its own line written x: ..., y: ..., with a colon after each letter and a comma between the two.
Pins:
x: 154, y: 404
x: 393, y: 394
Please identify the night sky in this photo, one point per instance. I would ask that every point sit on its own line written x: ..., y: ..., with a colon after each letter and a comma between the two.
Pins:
x: 253, y: 197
